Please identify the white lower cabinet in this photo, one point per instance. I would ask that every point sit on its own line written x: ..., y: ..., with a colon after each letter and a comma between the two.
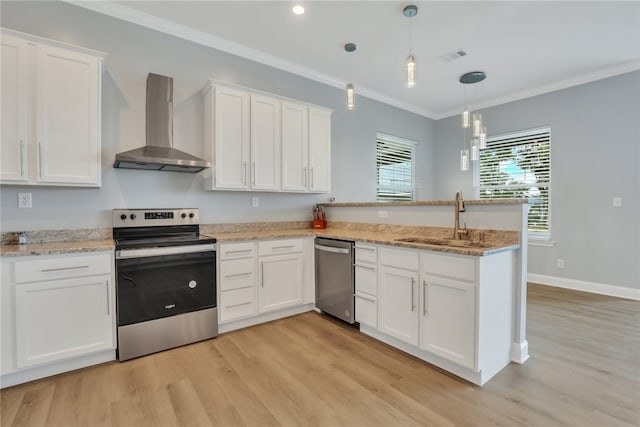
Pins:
x: 448, y: 319
x: 56, y: 310
x: 454, y: 311
x: 366, y: 286
x: 265, y: 276
x: 280, y: 266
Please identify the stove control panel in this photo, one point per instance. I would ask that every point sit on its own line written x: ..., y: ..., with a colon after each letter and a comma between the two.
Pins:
x: 154, y: 217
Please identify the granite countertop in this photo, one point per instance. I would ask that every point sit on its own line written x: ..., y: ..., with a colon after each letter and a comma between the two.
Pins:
x: 497, y: 241
x: 49, y: 248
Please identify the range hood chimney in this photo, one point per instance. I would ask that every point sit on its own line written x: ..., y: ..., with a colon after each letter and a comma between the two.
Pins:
x: 159, y: 153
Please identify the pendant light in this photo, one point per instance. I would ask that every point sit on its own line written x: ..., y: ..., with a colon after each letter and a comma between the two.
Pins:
x: 410, y: 11
x: 474, y: 121
x: 350, y: 48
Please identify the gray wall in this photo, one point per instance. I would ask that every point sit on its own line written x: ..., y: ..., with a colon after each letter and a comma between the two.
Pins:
x: 133, y: 52
x: 595, y: 153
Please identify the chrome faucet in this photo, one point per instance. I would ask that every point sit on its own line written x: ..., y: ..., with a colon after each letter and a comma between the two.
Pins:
x: 459, y: 207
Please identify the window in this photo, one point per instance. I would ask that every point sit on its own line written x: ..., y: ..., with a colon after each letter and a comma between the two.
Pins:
x: 394, y: 168
x: 518, y: 166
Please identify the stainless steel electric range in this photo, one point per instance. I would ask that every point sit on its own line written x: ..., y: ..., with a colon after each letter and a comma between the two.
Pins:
x: 165, y: 280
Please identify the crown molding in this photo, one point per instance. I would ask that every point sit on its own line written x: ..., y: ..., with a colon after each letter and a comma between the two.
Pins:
x: 540, y: 90
x: 143, y: 19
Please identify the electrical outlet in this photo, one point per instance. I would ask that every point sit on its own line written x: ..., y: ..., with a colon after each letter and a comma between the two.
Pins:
x: 255, y: 202
x: 383, y: 214
x: 24, y: 200
x: 560, y: 263
x: 617, y: 202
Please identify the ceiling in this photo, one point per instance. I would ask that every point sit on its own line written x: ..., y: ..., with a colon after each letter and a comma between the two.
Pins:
x: 525, y: 48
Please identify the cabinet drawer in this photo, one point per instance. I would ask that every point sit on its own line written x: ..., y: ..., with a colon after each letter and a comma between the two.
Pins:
x: 454, y: 266
x: 366, y: 279
x: 366, y: 310
x: 277, y: 247
x: 62, y: 268
x: 366, y: 253
x: 399, y: 258
x: 237, y: 303
x: 238, y: 273
x: 237, y: 250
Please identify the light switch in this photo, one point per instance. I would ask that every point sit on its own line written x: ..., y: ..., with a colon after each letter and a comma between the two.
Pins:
x: 255, y: 202
x: 617, y: 202
x: 383, y: 214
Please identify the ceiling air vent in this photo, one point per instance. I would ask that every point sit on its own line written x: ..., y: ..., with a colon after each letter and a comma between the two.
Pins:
x: 451, y: 56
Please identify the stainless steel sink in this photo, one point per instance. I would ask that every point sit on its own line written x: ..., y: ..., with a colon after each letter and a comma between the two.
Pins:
x: 443, y: 242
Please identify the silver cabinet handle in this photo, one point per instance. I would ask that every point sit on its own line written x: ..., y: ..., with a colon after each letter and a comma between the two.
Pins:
x: 262, y: 274
x: 283, y: 247
x: 363, y: 248
x: 304, y: 175
x: 108, y: 301
x: 21, y: 158
x: 365, y: 267
x: 253, y: 177
x: 238, y: 305
x: 63, y: 268
x: 244, y: 172
x: 311, y: 177
x: 424, y: 297
x: 364, y: 298
x: 238, y: 251
x: 40, y: 159
x: 413, y: 286
x: 237, y: 275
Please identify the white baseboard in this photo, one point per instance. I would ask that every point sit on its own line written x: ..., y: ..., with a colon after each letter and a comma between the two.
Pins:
x: 265, y: 317
x: 520, y: 352
x: 581, y: 285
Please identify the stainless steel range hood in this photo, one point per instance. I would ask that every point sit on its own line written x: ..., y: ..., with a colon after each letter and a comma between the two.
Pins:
x: 159, y: 153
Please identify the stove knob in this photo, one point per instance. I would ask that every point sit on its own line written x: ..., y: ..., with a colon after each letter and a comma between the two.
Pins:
x: 132, y: 216
x: 191, y: 215
x: 184, y: 215
x: 123, y: 217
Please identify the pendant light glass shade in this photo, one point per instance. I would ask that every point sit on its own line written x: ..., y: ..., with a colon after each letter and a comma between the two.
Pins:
x: 474, y: 149
x: 482, y: 141
x: 411, y: 71
x: 350, y: 97
x: 477, y: 124
x: 465, y: 119
x: 464, y: 159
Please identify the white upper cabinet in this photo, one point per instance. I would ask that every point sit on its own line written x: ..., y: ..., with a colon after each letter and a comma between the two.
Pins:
x: 262, y: 142
x: 14, y: 110
x: 51, y: 97
x: 265, y: 143
x: 230, y: 138
x: 295, y: 143
x: 319, y: 150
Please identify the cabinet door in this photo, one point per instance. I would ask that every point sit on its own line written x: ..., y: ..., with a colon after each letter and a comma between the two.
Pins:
x: 265, y: 143
x: 68, y: 117
x: 14, y: 73
x: 398, y: 304
x: 280, y: 281
x: 231, y: 139
x: 319, y: 150
x: 447, y: 319
x: 59, y: 319
x: 295, y: 140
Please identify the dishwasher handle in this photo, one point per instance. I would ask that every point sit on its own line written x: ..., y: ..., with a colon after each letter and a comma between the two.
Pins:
x: 332, y: 249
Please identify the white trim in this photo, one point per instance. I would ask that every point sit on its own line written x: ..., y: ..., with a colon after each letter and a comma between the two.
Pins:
x: 162, y: 25
x: 520, y: 352
x: 582, y: 285
x: 396, y: 139
x: 264, y: 317
x: 544, y: 242
x: 604, y: 73
x: 55, y: 43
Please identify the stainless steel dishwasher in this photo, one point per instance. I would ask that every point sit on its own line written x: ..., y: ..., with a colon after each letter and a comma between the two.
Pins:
x: 335, y: 278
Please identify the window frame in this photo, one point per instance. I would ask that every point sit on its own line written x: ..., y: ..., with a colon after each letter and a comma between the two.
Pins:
x: 534, y: 237
x: 381, y: 136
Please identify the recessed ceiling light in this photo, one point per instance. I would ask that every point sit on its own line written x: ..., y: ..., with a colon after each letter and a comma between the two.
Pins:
x: 298, y: 9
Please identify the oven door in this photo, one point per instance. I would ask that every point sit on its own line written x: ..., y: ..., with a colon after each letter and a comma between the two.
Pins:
x: 161, y: 282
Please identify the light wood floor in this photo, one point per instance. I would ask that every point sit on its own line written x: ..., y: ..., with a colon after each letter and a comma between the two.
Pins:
x: 310, y: 370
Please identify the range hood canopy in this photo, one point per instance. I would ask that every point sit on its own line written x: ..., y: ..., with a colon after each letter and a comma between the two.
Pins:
x: 159, y: 153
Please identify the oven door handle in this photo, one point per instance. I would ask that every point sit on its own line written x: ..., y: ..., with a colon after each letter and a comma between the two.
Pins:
x: 168, y: 250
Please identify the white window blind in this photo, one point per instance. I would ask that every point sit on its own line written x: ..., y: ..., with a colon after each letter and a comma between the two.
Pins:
x: 518, y: 166
x: 395, y: 168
